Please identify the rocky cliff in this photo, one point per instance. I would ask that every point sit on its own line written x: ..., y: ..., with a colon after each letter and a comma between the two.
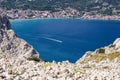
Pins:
x: 112, y: 48
x: 10, y: 44
x: 103, y: 63
x: 19, y: 61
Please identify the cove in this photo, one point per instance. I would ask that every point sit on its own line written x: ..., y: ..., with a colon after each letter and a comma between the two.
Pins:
x: 66, y: 39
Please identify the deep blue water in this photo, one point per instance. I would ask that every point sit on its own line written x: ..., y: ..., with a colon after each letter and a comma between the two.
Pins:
x: 66, y: 39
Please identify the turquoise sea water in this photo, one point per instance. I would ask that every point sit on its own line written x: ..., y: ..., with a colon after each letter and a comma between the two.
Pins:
x: 66, y: 39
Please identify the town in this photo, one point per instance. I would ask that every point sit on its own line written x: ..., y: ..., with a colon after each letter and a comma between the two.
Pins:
x: 67, y: 13
x: 27, y: 14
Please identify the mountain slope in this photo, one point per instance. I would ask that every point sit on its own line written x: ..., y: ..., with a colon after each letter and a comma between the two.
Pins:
x: 10, y: 44
x: 19, y: 61
x: 108, y: 7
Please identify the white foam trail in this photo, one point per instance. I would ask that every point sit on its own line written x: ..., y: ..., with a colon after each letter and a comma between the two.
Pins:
x: 52, y: 39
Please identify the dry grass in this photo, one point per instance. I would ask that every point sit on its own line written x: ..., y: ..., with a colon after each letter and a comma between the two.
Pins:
x: 100, y: 57
x: 46, y: 65
x: 76, y: 71
x: 87, y: 66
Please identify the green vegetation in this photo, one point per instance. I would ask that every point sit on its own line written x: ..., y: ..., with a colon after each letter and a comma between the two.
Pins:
x: 46, y: 65
x: 105, y: 7
x: 101, y: 50
x: 87, y: 66
x: 100, y: 57
x: 76, y: 71
x: 34, y: 59
x: 82, y: 62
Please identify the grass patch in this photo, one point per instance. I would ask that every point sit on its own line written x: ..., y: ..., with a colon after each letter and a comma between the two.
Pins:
x: 33, y: 58
x: 82, y: 62
x: 113, y: 55
x: 87, y: 66
x: 46, y: 65
x: 78, y: 72
x: 100, y: 57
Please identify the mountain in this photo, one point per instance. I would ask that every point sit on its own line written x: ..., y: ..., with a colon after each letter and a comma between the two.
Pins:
x: 19, y: 61
x: 107, y: 7
x: 10, y: 44
x: 110, y: 52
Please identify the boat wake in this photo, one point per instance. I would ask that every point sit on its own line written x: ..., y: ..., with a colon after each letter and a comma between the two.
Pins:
x: 52, y: 39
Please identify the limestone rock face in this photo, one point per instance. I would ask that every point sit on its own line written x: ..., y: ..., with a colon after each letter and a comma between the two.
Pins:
x: 117, y: 44
x: 10, y: 44
x: 101, y: 64
x: 112, y: 48
x: 93, y: 65
x: 115, y: 47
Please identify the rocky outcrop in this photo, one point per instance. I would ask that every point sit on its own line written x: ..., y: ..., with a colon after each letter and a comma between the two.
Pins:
x: 102, y: 64
x: 4, y: 23
x: 116, y: 44
x: 10, y: 44
x: 112, y: 48
x: 115, y: 47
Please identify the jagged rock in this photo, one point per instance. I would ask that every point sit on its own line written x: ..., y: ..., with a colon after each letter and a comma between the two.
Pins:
x: 10, y: 71
x: 87, y: 54
x: 115, y: 47
x: 13, y: 65
x: 10, y: 44
x: 4, y: 22
x: 117, y: 44
x: 103, y: 53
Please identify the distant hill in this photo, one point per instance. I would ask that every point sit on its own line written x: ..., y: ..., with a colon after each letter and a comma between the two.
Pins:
x: 109, y: 7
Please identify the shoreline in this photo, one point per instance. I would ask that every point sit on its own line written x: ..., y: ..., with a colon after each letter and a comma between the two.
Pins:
x: 71, y: 20
x: 66, y: 18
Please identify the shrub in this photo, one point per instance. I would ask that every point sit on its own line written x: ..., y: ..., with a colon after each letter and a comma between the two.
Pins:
x: 99, y: 57
x: 106, y: 67
x: 111, y: 46
x: 101, y: 50
x: 46, y: 65
x: 34, y: 59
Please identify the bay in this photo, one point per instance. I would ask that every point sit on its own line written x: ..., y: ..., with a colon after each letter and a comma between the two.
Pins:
x: 66, y: 39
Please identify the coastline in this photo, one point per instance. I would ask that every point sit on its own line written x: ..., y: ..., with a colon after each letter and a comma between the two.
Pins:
x: 66, y: 18
x: 96, y: 65
x: 39, y: 24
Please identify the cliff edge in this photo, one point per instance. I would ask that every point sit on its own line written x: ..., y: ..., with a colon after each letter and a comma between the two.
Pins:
x: 111, y: 49
x: 10, y: 44
x: 19, y: 61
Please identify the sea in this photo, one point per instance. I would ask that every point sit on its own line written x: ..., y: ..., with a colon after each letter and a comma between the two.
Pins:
x: 66, y: 39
